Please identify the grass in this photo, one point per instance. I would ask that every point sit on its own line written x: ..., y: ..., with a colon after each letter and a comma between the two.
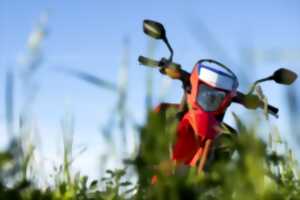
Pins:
x: 257, y: 171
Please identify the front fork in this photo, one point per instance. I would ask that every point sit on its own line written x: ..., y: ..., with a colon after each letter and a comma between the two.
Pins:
x: 203, y: 159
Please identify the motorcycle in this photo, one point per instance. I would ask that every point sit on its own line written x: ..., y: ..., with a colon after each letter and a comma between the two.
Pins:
x: 209, y: 90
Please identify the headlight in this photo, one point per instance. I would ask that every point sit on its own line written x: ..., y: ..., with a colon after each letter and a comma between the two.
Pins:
x: 210, y: 99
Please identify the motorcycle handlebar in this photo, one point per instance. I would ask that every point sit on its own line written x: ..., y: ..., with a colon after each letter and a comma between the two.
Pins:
x: 273, y: 109
x: 174, y: 71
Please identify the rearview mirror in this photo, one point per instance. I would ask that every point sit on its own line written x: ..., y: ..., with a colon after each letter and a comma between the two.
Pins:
x: 284, y: 76
x: 157, y: 31
x: 281, y: 76
x: 154, y: 29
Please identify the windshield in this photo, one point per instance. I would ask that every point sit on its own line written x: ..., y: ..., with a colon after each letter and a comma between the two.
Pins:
x: 210, y: 99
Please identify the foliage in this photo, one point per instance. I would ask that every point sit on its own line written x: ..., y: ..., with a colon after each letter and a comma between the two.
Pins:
x: 256, y: 171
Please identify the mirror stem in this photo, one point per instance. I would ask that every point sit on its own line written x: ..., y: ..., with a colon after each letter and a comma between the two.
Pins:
x: 259, y: 81
x: 170, y: 48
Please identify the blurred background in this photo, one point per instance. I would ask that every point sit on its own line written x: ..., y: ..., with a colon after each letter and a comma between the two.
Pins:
x: 70, y: 76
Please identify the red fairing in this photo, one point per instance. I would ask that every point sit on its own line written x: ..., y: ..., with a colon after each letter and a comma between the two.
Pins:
x: 189, y: 144
x: 205, y: 123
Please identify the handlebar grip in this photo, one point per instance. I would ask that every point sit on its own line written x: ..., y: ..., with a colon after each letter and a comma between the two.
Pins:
x: 148, y: 61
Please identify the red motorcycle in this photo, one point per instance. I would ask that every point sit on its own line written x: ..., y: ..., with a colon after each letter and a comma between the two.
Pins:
x: 208, y: 91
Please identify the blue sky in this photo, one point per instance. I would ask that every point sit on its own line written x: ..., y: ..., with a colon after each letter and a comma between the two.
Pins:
x: 89, y: 35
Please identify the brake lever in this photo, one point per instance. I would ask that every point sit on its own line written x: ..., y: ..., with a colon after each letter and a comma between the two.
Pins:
x: 240, y: 98
x: 148, y: 61
x: 171, y: 69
